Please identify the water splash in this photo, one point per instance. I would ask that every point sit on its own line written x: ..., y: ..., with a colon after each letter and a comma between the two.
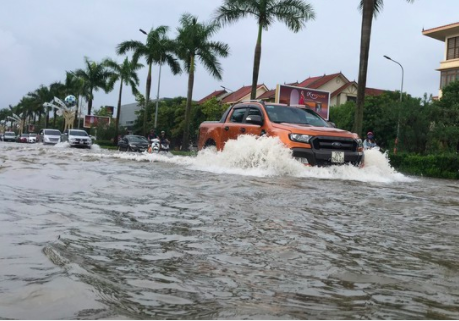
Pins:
x: 267, y: 156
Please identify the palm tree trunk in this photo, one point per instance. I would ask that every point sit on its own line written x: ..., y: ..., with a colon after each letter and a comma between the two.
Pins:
x: 118, y: 113
x: 367, y: 19
x: 90, y: 105
x: 47, y: 118
x: 256, y: 64
x: 54, y: 118
x: 189, y: 96
x: 147, y: 100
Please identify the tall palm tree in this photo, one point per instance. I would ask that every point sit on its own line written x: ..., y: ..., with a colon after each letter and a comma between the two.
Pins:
x: 74, y: 86
x: 94, y: 77
x: 370, y: 9
x: 125, y: 73
x: 58, y: 90
x: 158, y: 49
x: 193, y: 42
x: 294, y: 13
x: 41, y: 96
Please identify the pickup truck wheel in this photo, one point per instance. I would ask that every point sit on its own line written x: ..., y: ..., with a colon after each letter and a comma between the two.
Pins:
x: 210, y: 145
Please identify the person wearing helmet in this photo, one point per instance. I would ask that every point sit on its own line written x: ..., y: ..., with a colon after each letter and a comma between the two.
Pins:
x: 369, y: 142
x: 163, y: 141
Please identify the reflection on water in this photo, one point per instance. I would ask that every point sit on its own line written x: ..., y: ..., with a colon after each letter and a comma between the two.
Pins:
x: 243, y: 234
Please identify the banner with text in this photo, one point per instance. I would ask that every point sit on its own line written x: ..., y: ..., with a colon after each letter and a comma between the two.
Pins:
x: 317, y: 100
x: 94, y: 121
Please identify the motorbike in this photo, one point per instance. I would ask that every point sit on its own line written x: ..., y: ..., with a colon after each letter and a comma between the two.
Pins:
x: 154, y: 146
x: 157, y: 147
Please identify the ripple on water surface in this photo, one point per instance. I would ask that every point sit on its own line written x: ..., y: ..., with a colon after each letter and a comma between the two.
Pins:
x: 243, y: 233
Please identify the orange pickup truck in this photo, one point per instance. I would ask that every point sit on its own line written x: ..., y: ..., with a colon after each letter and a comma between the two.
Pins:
x: 312, y: 140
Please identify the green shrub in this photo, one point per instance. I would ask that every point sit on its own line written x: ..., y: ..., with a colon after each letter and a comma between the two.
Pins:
x: 440, y: 166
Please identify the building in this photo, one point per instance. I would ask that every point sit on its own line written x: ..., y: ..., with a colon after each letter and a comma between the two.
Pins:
x: 341, y: 90
x: 449, y: 67
x: 128, y: 115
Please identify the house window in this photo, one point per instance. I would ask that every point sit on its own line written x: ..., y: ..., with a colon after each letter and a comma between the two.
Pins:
x: 352, y: 98
x: 453, y: 48
x: 448, y: 76
x: 129, y: 122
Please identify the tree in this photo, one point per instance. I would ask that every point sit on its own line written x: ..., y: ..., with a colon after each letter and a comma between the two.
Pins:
x: 125, y: 73
x: 158, y: 49
x: 370, y: 9
x: 94, y: 77
x: 40, y: 96
x: 294, y: 13
x: 193, y: 42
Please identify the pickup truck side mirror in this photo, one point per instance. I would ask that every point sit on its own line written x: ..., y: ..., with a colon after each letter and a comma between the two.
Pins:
x: 332, y: 124
x: 254, y: 119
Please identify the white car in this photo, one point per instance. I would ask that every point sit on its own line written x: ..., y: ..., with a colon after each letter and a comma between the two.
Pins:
x: 77, y: 138
x: 32, y: 138
x: 50, y: 136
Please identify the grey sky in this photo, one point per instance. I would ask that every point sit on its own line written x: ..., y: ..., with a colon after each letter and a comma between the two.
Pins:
x: 41, y: 39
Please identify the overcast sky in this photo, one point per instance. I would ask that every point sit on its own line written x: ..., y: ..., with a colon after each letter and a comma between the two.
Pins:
x: 41, y: 39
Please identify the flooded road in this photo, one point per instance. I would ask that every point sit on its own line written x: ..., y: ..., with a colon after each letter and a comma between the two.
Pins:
x: 244, y: 234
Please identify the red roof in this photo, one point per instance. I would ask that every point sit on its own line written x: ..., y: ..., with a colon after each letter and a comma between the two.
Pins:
x: 267, y: 95
x: 238, y: 94
x: 317, y: 82
x: 374, y: 91
x: 216, y: 93
x: 340, y: 89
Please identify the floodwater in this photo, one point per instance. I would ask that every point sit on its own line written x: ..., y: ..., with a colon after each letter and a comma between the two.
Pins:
x: 247, y: 233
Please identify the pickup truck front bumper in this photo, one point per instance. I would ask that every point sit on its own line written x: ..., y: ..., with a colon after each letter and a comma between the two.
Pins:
x: 328, y: 157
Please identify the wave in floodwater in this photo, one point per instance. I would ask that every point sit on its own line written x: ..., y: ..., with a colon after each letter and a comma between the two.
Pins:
x: 267, y: 156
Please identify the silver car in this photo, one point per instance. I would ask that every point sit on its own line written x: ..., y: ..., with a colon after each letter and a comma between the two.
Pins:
x: 50, y: 136
x: 77, y: 138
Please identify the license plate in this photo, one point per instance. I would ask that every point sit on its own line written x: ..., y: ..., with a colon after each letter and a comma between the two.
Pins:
x: 337, y: 157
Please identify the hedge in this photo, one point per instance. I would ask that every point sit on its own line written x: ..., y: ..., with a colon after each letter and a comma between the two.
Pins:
x: 440, y: 166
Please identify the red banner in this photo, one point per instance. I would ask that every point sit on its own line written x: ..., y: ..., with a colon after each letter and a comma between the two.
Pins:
x: 317, y: 100
x: 94, y: 121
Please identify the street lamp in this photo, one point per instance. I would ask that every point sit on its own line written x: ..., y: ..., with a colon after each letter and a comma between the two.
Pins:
x: 157, y: 93
x: 401, y: 92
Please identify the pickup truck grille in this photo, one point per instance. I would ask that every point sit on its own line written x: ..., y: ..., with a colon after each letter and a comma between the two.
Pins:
x: 334, y: 143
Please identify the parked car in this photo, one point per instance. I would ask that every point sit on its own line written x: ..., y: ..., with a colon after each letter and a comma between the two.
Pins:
x: 77, y: 138
x: 50, y: 136
x: 23, y: 138
x: 133, y: 143
x: 9, y: 137
x: 32, y: 138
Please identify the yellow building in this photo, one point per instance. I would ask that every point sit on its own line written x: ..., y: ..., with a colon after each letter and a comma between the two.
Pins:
x: 449, y: 67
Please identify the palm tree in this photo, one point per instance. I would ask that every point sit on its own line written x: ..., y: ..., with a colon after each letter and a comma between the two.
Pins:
x: 74, y: 86
x: 41, y: 96
x: 193, y: 42
x: 125, y: 73
x: 294, y: 13
x: 158, y: 49
x: 95, y: 77
x: 58, y: 90
x: 370, y: 9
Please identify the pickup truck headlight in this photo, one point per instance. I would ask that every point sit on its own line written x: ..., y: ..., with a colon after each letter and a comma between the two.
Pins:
x: 359, y: 143
x: 300, y: 138
x: 133, y: 145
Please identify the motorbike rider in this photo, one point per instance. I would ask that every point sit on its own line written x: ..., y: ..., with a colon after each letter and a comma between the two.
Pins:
x: 369, y: 142
x: 163, y: 140
x: 151, y: 135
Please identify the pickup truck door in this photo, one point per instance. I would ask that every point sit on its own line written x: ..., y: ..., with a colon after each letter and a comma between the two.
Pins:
x: 233, y: 127
x: 237, y: 123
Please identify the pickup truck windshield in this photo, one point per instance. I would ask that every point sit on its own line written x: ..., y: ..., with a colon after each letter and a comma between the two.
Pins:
x: 295, y: 115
